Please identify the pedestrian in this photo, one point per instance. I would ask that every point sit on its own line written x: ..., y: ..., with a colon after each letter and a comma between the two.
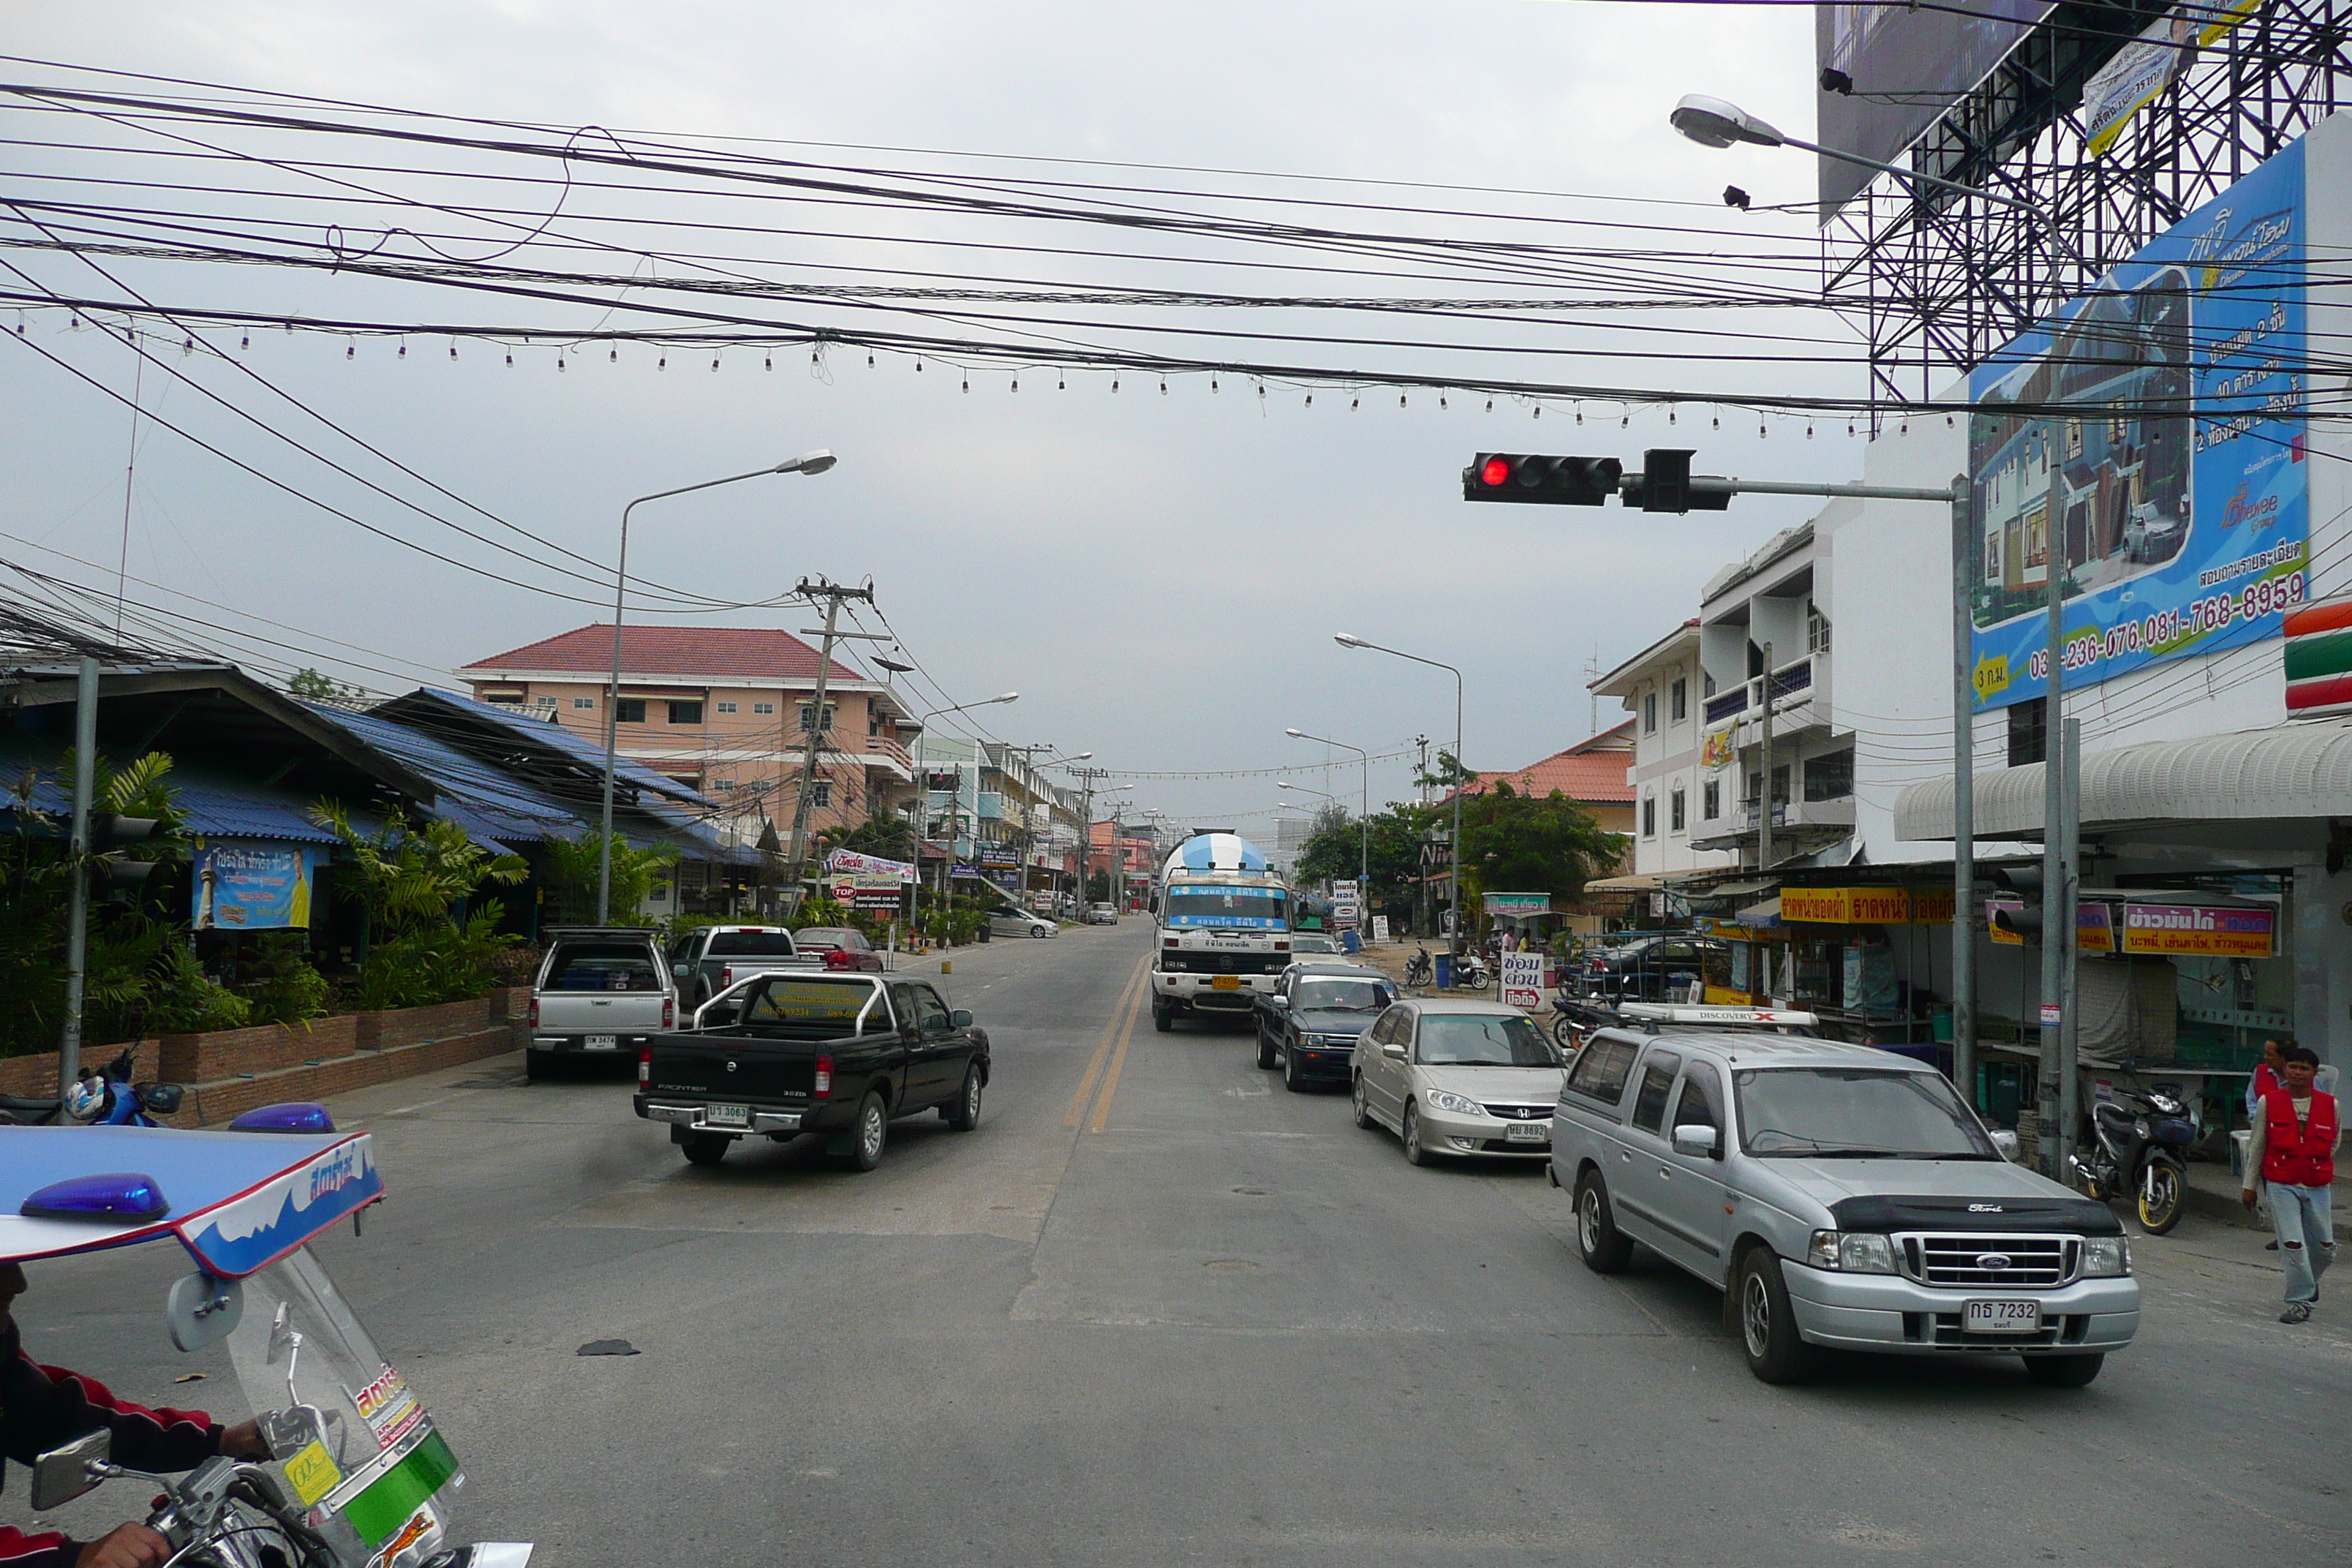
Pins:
x: 2264, y: 1078
x: 2292, y: 1155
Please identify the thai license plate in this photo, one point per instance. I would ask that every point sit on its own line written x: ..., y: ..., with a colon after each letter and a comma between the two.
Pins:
x: 2001, y: 1318
x: 1227, y: 982
x: 600, y: 1043
x: 1528, y: 1132
x: 727, y: 1115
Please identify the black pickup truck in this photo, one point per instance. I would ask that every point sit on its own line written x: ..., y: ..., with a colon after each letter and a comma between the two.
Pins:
x: 838, y: 1055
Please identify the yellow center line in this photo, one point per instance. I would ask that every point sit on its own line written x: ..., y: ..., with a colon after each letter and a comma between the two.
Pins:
x: 1110, y: 1079
x: 1125, y: 1004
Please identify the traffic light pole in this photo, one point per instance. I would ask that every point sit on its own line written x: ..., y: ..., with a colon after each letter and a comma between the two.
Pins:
x: 78, y: 853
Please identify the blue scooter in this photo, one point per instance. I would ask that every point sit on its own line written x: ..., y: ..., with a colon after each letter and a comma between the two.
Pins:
x: 100, y: 1097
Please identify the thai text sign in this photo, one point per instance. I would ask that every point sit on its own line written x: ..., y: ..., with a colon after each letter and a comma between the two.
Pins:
x: 1523, y: 979
x: 2166, y: 491
x: 1519, y: 904
x: 868, y: 890
x: 1866, y: 906
x: 2200, y: 930
x: 251, y: 887
x: 855, y: 863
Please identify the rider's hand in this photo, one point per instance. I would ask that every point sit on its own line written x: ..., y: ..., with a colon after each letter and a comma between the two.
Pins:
x: 125, y: 1546
x: 244, y: 1441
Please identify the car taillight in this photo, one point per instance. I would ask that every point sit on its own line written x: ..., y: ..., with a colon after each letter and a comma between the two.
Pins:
x: 669, y: 1012
x: 534, y: 1011
x: 823, y: 1077
x: 840, y: 958
x: 726, y: 975
x: 645, y: 1067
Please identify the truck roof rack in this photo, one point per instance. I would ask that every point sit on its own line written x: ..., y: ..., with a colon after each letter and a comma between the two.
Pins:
x: 1654, y: 1013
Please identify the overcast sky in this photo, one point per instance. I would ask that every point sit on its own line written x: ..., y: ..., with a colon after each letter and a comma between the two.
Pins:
x: 1160, y: 576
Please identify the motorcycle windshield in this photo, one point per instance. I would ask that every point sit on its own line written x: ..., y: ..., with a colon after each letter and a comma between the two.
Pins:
x: 353, y: 1440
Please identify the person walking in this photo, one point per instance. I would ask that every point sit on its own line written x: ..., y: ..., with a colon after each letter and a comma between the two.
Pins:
x: 2292, y: 1155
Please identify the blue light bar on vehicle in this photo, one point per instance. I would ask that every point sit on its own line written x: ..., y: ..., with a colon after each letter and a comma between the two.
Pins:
x: 125, y: 1196
x: 294, y: 1116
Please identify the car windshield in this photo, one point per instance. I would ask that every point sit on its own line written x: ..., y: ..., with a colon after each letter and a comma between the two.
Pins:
x: 1855, y: 1113
x: 1483, y: 1041
x: 1246, y: 908
x: 1313, y: 944
x: 1342, y: 996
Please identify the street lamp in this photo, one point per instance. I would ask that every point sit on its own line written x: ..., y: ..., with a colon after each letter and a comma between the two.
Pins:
x: 1454, y: 943
x: 1364, y: 810
x: 814, y: 462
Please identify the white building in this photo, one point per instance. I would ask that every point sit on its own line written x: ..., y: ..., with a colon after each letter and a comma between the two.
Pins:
x: 1663, y: 687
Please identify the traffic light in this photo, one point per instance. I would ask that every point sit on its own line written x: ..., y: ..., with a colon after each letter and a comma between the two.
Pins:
x: 1664, y: 484
x: 1533, y: 480
x: 2025, y: 922
x: 114, y: 874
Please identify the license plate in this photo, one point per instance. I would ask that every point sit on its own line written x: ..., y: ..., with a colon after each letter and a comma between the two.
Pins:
x: 727, y: 1115
x: 2001, y: 1318
x: 1528, y: 1132
x: 1227, y: 982
x: 600, y: 1042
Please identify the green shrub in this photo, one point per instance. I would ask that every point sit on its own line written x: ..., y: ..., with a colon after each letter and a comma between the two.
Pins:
x: 289, y: 988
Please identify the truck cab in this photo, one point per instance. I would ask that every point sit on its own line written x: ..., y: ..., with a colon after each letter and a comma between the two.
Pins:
x: 1223, y: 931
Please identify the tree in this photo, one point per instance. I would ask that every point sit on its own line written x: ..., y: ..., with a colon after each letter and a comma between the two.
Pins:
x: 317, y: 685
x: 885, y: 835
x: 573, y: 875
x: 1336, y: 849
x: 1099, y: 888
x: 1529, y: 844
x: 414, y: 882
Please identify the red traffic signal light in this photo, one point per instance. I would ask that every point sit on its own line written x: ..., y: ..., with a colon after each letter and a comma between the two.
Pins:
x: 1537, y: 479
x: 1494, y: 470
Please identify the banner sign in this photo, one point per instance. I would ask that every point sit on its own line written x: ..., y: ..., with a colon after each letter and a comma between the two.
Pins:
x: 2199, y: 930
x: 1718, y: 751
x: 246, y: 885
x: 2173, y: 535
x: 1379, y: 928
x: 1523, y: 979
x: 1519, y: 904
x: 1000, y: 855
x: 857, y: 863
x: 868, y: 890
x: 1866, y: 906
x: 967, y: 873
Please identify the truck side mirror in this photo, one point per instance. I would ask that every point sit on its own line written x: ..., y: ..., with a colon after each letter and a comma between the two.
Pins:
x: 64, y: 1473
x: 960, y: 1019
x: 1695, y: 1138
x: 2006, y: 1142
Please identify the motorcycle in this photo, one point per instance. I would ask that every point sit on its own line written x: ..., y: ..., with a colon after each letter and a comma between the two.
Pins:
x: 1470, y: 972
x: 100, y: 1097
x: 359, y: 1476
x: 2140, y: 1152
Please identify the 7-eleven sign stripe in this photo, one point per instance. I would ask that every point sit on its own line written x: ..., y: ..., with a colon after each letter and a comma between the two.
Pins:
x: 2318, y: 656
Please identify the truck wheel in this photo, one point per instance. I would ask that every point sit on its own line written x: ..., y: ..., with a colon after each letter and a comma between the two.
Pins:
x: 1290, y: 1079
x: 1265, y: 1050
x: 1598, y: 1241
x: 964, y: 1114
x: 2064, y: 1371
x: 1768, y: 1327
x: 705, y: 1148
x: 1160, y: 1019
x: 871, y: 1133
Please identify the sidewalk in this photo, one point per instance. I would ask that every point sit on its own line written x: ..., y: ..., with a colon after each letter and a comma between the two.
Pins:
x: 2213, y: 1194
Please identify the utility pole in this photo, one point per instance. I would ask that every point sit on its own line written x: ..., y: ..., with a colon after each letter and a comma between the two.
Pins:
x: 812, y: 735
x: 2057, y: 933
x: 2069, y: 784
x: 78, y: 854
x: 1764, y: 788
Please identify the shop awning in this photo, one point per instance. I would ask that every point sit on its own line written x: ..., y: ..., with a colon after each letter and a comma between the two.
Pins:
x: 1646, y: 882
x: 1739, y: 889
x: 1766, y: 914
x: 2287, y: 771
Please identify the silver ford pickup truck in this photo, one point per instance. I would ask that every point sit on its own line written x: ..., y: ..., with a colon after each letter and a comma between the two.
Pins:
x: 1842, y: 1196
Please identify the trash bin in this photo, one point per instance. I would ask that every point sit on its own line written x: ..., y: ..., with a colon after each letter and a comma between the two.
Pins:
x: 1445, y: 972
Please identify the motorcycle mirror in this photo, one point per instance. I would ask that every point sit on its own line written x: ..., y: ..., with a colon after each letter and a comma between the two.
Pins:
x: 64, y: 1473
x: 202, y: 1310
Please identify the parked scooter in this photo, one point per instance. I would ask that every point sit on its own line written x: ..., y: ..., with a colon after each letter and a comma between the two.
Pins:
x: 1470, y: 972
x: 100, y: 1097
x: 2140, y: 1153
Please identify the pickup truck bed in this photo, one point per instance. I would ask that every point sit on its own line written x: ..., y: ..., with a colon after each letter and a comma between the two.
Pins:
x: 836, y: 1055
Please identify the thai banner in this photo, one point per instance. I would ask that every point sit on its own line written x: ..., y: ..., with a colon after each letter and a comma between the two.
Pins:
x: 244, y: 886
x: 2200, y: 930
x: 855, y: 864
x: 2156, y: 455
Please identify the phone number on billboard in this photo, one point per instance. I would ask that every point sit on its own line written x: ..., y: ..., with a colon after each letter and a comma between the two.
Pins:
x: 2271, y: 596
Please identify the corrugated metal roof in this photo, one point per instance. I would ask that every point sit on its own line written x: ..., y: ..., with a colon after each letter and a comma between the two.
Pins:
x: 483, y: 800
x: 581, y: 744
x: 2289, y: 770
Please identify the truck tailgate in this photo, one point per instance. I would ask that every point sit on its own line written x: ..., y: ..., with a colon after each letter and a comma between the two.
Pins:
x: 735, y: 1067
x: 600, y: 1011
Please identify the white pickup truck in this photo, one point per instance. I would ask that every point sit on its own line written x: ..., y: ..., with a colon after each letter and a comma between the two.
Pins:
x: 600, y: 993
x: 709, y: 959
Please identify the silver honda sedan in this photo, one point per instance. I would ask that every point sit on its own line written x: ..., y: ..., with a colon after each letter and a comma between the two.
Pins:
x: 1458, y: 1079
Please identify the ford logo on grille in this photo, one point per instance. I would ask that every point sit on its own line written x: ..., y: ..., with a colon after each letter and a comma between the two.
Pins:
x: 730, y: 1066
x: 1992, y: 1260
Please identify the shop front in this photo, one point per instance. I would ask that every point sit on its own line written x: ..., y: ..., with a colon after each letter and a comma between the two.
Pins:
x: 1861, y: 956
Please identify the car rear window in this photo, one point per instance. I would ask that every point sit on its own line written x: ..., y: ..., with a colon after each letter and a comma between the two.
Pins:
x: 752, y: 944
x: 1602, y: 1070
x: 831, y: 1002
x: 829, y: 936
x: 603, y: 966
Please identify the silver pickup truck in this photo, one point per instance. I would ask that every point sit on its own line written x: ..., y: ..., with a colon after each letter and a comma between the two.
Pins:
x: 599, y: 992
x: 1841, y: 1197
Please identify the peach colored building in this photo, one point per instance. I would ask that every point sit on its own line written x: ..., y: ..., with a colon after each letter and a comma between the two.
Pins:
x: 725, y: 708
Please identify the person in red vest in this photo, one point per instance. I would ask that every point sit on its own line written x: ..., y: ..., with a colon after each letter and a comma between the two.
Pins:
x: 2292, y: 1154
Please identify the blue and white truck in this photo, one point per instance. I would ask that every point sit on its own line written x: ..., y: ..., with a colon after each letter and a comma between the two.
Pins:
x: 1224, y: 930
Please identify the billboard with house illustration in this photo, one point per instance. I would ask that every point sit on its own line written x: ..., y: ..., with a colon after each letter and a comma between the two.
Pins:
x: 2147, y: 446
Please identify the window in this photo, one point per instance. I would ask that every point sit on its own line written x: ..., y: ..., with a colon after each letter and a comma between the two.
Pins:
x: 931, y: 1012
x: 807, y: 708
x: 1649, y: 816
x: 629, y: 710
x: 821, y: 792
x: 1707, y: 684
x: 1677, y: 816
x: 1817, y: 631
x: 2028, y: 732
x: 1680, y: 694
x: 1710, y: 799
x: 685, y: 713
x: 725, y: 705
x: 873, y: 720
x: 1601, y: 1069
x: 724, y: 786
x: 1830, y: 777
x: 584, y: 704
x: 547, y: 702
x: 1702, y: 1094
x: 769, y: 708
x: 504, y: 698
x: 1657, y: 1079
x: 1648, y: 712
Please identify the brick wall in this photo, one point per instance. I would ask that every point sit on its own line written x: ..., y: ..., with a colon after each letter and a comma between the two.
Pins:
x: 36, y: 1076
x: 224, y: 1053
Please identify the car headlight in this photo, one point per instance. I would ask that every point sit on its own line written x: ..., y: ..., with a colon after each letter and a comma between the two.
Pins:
x: 2106, y: 1258
x: 1853, y: 1252
x: 1446, y: 1100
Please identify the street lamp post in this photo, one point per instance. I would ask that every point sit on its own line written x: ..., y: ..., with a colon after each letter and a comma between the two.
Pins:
x: 1454, y: 896
x: 814, y: 462
x: 1364, y: 808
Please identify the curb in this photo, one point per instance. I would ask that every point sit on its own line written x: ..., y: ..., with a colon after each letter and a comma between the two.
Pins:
x: 2226, y: 1209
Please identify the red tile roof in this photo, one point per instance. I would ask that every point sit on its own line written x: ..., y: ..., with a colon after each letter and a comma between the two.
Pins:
x: 703, y: 652
x: 1590, y: 770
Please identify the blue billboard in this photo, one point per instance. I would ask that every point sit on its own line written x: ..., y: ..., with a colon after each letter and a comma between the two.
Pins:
x: 2155, y: 452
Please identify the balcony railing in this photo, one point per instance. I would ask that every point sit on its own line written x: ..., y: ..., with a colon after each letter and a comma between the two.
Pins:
x: 1787, y: 682
x: 883, y: 746
x: 1723, y: 705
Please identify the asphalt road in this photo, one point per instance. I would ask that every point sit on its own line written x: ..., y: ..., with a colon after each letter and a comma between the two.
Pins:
x: 1157, y: 1310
